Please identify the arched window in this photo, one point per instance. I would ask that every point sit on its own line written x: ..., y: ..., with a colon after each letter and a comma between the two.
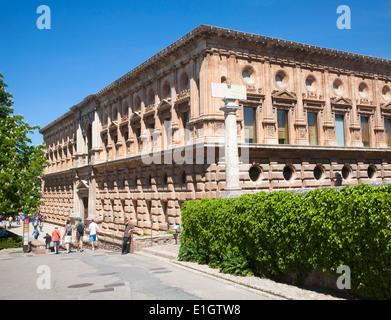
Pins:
x: 105, y: 119
x: 151, y: 97
x: 166, y: 90
x: 184, y: 81
x: 137, y: 104
x: 88, y: 140
x: 125, y: 107
x: 115, y: 114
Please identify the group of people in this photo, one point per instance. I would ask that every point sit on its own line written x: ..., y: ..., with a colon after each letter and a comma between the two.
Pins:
x: 56, y: 236
x: 37, y: 220
x: 66, y: 236
x: 6, y: 221
x: 80, y: 229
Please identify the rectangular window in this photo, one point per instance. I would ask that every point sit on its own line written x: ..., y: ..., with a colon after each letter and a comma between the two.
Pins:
x: 365, y: 131
x: 167, y: 133
x: 185, y: 120
x: 123, y: 207
x: 126, y: 135
x: 149, y: 210
x: 312, y: 128
x: 283, y: 131
x: 340, y: 130
x: 150, y: 131
x: 135, y: 213
x: 387, y: 126
x: 249, y: 125
x: 138, y: 137
x: 165, y: 210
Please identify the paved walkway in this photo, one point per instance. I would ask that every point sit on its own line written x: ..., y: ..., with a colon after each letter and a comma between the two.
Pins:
x: 170, y: 253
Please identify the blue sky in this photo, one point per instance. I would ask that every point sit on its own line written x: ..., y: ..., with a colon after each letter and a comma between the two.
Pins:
x: 93, y: 43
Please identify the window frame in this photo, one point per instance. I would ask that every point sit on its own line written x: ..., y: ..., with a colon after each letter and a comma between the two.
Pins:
x: 286, y: 112
x: 343, y: 128
x: 316, y: 116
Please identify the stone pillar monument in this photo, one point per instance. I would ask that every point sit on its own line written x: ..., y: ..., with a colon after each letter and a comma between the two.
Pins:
x: 232, y: 189
x: 230, y: 93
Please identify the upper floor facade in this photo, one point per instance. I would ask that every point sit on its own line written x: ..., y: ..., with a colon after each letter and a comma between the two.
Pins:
x: 297, y: 95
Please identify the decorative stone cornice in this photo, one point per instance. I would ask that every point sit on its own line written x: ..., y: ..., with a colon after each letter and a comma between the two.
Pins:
x: 341, y: 101
x: 283, y: 95
x: 386, y: 109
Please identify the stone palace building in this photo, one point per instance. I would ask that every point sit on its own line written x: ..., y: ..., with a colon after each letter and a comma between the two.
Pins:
x: 153, y: 138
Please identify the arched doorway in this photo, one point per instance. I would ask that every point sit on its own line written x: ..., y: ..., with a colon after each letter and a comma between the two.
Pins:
x: 82, y: 191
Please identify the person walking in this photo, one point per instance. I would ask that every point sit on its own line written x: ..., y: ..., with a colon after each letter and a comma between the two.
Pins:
x: 48, y: 239
x: 68, y: 236
x: 40, y: 221
x: 127, y: 235
x: 93, y: 228
x: 80, y: 228
x: 56, y: 239
x: 35, y: 233
x: 35, y: 223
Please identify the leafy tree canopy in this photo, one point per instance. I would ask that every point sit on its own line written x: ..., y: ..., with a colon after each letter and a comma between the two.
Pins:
x: 21, y: 163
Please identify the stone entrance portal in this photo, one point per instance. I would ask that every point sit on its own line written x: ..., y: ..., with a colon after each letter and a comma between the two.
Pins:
x: 84, y: 208
x: 82, y: 194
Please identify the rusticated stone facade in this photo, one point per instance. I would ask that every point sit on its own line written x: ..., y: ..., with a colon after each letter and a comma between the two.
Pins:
x: 153, y: 139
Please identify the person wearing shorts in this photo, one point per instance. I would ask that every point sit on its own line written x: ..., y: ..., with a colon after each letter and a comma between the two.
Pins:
x: 80, y: 227
x: 93, y: 227
x: 68, y: 236
x: 56, y: 239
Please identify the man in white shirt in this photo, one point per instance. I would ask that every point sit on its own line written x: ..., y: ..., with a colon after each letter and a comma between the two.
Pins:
x: 93, y: 227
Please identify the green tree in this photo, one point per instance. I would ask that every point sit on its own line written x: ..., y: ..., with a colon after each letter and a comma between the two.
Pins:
x: 21, y: 163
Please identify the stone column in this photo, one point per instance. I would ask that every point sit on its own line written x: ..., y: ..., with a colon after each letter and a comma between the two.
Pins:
x: 355, y: 127
x: 95, y: 136
x: 91, y: 196
x: 232, y: 188
x: 300, y: 122
x: 79, y: 142
x: 329, y: 138
x: 378, y: 140
x: 269, y: 119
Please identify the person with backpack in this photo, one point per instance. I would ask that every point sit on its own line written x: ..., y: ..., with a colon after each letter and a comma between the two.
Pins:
x: 68, y: 236
x: 56, y: 239
x: 80, y: 227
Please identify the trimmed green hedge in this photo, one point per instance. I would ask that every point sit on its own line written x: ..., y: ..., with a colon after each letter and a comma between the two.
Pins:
x: 282, y: 232
x: 10, y: 241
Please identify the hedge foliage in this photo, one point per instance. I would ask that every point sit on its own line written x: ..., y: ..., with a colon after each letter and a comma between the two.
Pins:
x: 281, y: 232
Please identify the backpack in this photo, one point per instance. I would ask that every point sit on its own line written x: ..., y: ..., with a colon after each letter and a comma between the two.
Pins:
x: 80, y: 228
x: 68, y: 230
